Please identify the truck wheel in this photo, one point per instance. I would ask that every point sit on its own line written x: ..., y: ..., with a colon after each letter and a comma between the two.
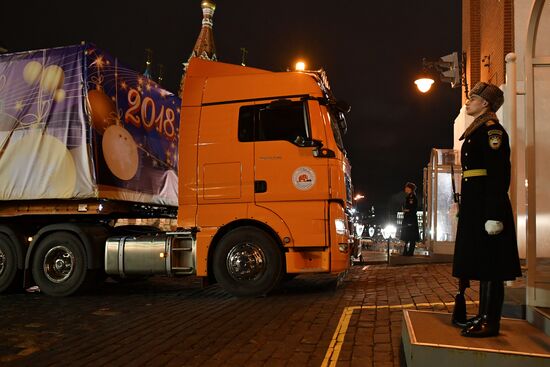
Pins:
x: 248, y: 262
x: 59, y: 264
x: 9, y: 274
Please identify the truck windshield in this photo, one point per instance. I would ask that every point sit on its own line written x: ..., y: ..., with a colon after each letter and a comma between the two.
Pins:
x: 338, y: 125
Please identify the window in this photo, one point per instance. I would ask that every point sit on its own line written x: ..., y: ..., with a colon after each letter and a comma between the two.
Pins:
x: 279, y: 120
x: 246, y: 123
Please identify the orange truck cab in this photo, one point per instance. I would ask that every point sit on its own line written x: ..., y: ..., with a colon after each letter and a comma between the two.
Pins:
x: 264, y: 179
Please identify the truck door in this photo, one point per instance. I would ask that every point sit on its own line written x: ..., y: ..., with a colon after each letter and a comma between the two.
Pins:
x: 289, y: 179
x: 225, y: 173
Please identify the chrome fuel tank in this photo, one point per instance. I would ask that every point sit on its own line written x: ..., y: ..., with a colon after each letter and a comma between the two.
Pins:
x: 150, y: 254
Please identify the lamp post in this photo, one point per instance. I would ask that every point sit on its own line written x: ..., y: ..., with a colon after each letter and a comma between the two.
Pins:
x: 388, y: 232
x: 357, y: 229
x: 450, y: 69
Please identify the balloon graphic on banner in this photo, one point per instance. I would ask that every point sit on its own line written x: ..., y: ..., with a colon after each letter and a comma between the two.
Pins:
x: 59, y: 95
x: 120, y: 152
x: 39, y: 166
x: 103, y: 110
x: 31, y: 72
x: 52, y: 78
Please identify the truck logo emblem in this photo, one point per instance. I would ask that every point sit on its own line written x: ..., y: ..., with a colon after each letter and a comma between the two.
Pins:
x: 303, y: 178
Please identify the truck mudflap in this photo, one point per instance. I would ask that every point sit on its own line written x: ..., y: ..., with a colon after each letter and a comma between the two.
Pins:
x: 170, y: 253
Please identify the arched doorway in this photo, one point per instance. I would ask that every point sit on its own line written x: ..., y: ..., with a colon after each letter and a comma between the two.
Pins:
x: 537, y: 151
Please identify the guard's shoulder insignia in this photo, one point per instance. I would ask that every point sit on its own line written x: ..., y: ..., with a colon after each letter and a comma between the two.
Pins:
x: 490, y: 123
x: 495, y: 138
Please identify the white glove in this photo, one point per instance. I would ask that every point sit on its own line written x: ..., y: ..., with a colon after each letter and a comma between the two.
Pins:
x: 493, y: 227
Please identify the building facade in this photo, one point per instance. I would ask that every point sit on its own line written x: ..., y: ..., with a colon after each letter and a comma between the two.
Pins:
x: 507, y: 43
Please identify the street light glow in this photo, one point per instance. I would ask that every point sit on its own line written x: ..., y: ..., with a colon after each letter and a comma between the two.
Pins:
x: 389, y: 231
x: 358, y: 197
x: 424, y: 84
x: 300, y: 66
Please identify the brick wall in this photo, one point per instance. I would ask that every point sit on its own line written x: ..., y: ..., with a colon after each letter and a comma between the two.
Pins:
x: 488, y: 35
x: 471, y: 40
x: 508, y: 27
x: 492, y: 41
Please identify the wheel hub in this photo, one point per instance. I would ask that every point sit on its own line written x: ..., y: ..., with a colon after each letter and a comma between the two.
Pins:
x: 246, y: 261
x: 59, y: 264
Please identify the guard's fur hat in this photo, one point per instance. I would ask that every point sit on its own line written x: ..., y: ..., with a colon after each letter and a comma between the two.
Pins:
x: 411, y: 186
x: 489, y: 92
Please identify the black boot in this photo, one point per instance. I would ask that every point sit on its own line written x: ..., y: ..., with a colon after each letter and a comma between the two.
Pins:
x: 482, y: 309
x: 459, y: 311
x: 489, y: 324
x: 410, y: 249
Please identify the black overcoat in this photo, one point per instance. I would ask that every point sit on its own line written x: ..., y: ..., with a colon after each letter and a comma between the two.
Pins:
x: 409, y: 226
x: 478, y: 255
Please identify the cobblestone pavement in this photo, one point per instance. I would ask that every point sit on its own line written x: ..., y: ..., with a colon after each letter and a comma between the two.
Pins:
x: 310, y: 321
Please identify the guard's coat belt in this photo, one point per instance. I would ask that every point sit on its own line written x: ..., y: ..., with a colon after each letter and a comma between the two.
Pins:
x: 474, y: 172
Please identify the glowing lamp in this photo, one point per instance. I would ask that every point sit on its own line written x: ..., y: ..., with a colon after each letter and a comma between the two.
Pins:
x: 424, y: 84
x: 300, y: 66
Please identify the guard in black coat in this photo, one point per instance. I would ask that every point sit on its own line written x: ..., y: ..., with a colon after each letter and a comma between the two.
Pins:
x: 409, y: 226
x: 486, y: 246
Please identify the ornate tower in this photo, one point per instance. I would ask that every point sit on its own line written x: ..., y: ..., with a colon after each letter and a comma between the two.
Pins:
x: 204, y: 47
x: 148, y: 63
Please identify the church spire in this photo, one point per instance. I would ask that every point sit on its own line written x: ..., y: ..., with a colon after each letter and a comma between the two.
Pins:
x: 148, y: 63
x: 204, y: 46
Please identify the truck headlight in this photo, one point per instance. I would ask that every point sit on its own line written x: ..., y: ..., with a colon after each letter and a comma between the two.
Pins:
x: 340, y: 225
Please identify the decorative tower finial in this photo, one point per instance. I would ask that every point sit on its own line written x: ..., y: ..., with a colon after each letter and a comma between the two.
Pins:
x: 160, y: 76
x: 204, y: 47
x: 148, y: 63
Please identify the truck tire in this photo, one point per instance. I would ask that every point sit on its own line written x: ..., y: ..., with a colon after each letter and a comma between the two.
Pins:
x: 9, y: 274
x: 248, y: 262
x: 59, y: 264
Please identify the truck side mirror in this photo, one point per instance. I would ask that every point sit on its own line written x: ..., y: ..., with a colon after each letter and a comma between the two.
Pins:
x: 342, y: 123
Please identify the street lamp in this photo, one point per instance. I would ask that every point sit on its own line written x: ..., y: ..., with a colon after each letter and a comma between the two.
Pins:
x: 388, y: 233
x: 371, y: 231
x: 424, y: 84
x: 300, y: 66
x: 358, y: 197
x: 450, y: 69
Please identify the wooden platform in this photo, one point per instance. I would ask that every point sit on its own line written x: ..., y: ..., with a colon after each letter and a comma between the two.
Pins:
x: 429, y: 339
x: 540, y: 317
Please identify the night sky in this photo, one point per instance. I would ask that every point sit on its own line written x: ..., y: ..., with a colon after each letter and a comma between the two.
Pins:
x: 370, y: 50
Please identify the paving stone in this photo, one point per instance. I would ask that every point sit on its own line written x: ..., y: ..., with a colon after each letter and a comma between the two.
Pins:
x: 173, y: 322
